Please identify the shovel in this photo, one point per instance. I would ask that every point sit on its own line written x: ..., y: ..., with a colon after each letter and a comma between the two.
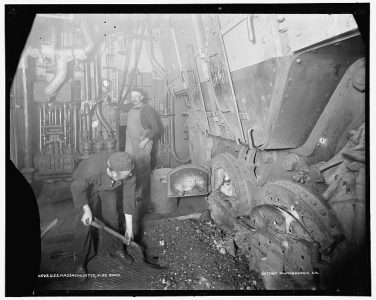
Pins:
x: 100, y: 225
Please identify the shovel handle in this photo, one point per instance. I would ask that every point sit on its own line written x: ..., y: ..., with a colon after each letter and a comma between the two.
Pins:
x: 109, y: 230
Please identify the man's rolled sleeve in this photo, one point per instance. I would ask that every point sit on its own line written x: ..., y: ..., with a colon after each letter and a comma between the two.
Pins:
x: 79, y: 190
x: 129, y: 201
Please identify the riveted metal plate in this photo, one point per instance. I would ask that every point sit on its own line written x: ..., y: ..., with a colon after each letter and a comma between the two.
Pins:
x: 305, y: 30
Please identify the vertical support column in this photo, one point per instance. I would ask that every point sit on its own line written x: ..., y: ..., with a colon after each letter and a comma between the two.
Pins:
x: 76, y: 129
x: 28, y: 168
x: 40, y: 129
x: 88, y: 97
x: 13, y: 123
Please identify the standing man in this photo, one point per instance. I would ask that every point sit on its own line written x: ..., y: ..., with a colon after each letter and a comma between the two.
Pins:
x: 96, y: 181
x: 144, y: 128
x: 145, y: 125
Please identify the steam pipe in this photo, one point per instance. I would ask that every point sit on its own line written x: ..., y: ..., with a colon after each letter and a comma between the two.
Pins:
x: 106, y: 125
x: 88, y: 120
x: 96, y: 79
x: 69, y: 126
x: 134, y: 71
x: 76, y: 133
x: 150, y: 52
x: 178, y: 55
x: 65, y: 123
x: 63, y: 56
x: 44, y: 123
x: 126, y: 67
x: 133, y: 75
x: 199, y: 29
x: 13, y: 101
x: 87, y: 81
x: 28, y: 161
x: 40, y: 129
x: 23, y: 65
x: 60, y: 116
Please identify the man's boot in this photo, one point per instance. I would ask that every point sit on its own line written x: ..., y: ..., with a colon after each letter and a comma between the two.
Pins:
x: 122, y: 254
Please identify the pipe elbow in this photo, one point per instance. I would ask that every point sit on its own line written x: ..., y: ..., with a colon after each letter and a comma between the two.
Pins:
x: 62, y: 58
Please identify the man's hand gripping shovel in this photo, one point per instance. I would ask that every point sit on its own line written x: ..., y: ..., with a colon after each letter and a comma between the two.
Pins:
x: 100, y: 225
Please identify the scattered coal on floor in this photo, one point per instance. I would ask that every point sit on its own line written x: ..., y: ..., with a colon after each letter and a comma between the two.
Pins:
x: 198, y: 257
x: 197, y: 254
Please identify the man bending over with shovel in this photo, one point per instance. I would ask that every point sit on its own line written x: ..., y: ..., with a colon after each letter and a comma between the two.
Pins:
x: 96, y: 181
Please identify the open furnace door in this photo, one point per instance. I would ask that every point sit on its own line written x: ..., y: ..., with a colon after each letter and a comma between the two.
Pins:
x: 188, y: 180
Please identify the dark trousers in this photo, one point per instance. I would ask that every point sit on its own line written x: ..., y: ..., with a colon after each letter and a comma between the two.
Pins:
x: 154, y: 154
x: 91, y: 240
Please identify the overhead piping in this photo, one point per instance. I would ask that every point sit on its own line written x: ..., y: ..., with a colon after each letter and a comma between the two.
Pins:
x: 65, y: 55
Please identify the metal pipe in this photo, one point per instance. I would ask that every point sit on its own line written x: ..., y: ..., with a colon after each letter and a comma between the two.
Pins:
x: 28, y: 158
x: 81, y: 126
x: 87, y: 80
x: 103, y: 121
x: 59, y: 111
x: 13, y: 140
x: 199, y: 30
x: 88, y: 121
x: 126, y: 67
x: 65, y: 123
x: 76, y: 132
x: 178, y: 55
x: 43, y: 124
x: 44, y: 114
x: 63, y: 56
x: 96, y: 85
x: 40, y: 129
x: 135, y: 67
x: 13, y: 123
x: 69, y: 126
x: 49, y: 116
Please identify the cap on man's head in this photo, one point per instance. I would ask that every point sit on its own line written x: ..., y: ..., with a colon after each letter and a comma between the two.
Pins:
x: 141, y: 91
x: 120, y: 161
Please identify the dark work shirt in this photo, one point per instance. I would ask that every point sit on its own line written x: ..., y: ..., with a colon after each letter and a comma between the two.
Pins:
x: 91, y: 175
x: 150, y: 119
